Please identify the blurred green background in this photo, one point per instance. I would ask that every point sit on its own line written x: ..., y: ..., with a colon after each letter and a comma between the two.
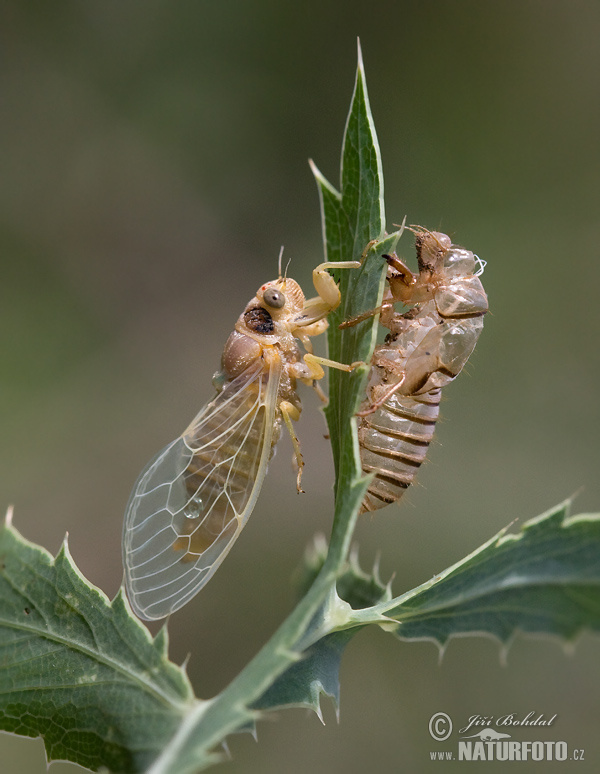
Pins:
x: 154, y: 158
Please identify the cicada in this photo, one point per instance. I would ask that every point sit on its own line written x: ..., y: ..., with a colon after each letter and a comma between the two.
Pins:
x: 425, y: 349
x: 193, y: 499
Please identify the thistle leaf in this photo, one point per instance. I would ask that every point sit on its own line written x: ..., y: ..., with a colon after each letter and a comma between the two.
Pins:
x: 543, y: 580
x: 78, y: 670
x: 316, y: 674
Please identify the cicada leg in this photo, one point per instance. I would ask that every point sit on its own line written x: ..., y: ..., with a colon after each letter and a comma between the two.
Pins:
x: 289, y: 412
x: 401, y: 283
x: 310, y: 371
x: 329, y: 296
x: 381, y: 400
x: 315, y: 363
x: 352, y: 321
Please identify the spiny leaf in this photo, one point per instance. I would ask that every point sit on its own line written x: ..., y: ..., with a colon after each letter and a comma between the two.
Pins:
x: 351, y: 219
x: 543, y: 580
x: 355, y: 586
x: 317, y: 673
x: 78, y: 670
x: 353, y: 222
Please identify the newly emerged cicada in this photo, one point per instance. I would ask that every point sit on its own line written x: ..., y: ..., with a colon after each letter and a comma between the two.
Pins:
x: 426, y: 349
x: 192, y: 500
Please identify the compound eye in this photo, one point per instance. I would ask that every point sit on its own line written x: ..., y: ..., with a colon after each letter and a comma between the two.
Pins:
x: 274, y: 298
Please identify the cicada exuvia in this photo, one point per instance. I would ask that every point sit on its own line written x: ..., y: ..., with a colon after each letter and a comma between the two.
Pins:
x: 425, y: 349
x: 192, y: 500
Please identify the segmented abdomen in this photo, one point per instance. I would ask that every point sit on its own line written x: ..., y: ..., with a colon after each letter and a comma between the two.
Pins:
x: 394, y: 442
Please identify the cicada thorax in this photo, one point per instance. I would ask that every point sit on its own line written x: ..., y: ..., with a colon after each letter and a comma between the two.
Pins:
x: 425, y: 350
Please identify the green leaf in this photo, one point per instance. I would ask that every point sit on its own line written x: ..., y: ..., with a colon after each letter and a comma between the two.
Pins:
x: 353, y: 222
x: 351, y: 219
x: 78, y: 670
x: 317, y: 673
x: 355, y: 586
x: 543, y: 580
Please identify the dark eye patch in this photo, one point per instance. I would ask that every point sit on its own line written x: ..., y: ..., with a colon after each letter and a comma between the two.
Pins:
x: 259, y: 320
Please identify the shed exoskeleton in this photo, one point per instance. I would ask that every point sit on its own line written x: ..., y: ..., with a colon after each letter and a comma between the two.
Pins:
x: 425, y: 349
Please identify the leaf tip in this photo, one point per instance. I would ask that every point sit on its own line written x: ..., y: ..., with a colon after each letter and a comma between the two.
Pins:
x: 319, y: 691
x: 442, y: 647
x: 161, y: 641
x: 318, y: 175
x: 318, y: 711
x: 555, y: 516
x: 9, y: 516
x: 503, y: 651
x: 64, y: 555
x: 359, y: 55
x: 185, y: 662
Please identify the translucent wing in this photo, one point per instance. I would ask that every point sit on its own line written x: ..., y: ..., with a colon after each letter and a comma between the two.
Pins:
x: 191, y: 502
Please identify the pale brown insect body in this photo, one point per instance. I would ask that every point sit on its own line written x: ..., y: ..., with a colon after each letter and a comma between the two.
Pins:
x: 191, y: 502
x: 425, y: 350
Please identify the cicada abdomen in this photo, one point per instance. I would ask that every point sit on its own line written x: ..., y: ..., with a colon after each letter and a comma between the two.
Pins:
x: 426, y: 349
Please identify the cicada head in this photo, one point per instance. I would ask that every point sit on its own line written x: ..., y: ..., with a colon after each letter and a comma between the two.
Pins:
x: 269, y: 313
x: 431, y: 248
x: 282, y: 298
